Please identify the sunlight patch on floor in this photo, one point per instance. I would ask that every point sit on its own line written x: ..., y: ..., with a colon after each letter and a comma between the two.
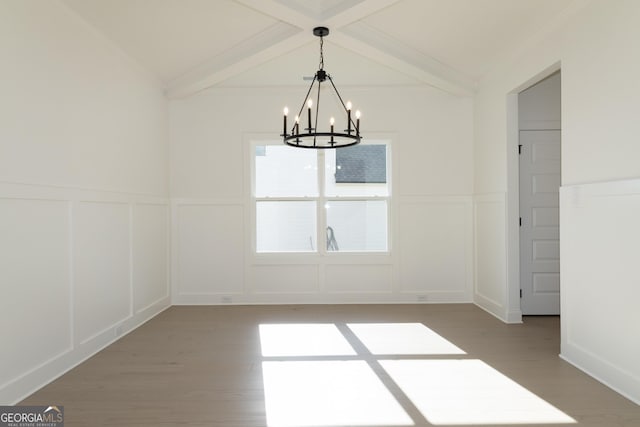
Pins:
x: 309, y: 339
x: 328, y: 393
x: 402, y: 338
x: 459, y: 392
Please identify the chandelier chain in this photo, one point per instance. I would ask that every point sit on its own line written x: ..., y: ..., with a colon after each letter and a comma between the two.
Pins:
x: 321, y: 54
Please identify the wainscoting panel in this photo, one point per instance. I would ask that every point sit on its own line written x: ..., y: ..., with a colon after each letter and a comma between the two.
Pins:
x: 209, y: 245
x: 101, y: 267
x: 359, y: 279
x: 150, y: 253
x: 430, y: 258
x: 436, y: 248
x: 600, y: 281
x: 71, y: 263
x: 490, y: 254
x: 34, y: 273
x: 284, y: 279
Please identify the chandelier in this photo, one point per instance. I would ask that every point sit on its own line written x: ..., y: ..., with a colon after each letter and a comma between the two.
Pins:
x: 311, y: 137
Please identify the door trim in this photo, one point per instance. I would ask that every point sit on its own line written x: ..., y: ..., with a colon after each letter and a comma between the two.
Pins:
x: 512, y: 224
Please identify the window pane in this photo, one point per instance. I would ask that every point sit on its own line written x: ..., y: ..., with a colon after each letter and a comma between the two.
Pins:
x: 357, y: 225
x: 360, y: 170
x: 286, y: 226
x: 283, y: 171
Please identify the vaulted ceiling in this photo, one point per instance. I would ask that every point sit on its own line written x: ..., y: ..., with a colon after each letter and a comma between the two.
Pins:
x: 191, y: 45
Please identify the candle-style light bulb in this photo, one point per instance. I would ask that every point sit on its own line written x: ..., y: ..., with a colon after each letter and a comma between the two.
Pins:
x: 297, y: 125
x: 309, y: 105
x: 286, y: 112
x: 331, y: 122
x: 358, y: 122
x: 348, y: 116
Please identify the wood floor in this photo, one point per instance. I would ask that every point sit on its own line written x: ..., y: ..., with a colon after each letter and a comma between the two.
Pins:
x: 203, y: 366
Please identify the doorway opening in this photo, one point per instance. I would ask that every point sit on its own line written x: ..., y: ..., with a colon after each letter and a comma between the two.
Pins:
x: 539, y: 174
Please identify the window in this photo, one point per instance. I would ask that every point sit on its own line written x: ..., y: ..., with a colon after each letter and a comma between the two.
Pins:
x: 321, y: 201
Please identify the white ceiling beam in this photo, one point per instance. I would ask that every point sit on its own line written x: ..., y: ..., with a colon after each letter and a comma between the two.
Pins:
x: 281, y: 12
x: 275, y: 41
x: 379, y: 47
x: 294, y: 30
x: 357, y: 12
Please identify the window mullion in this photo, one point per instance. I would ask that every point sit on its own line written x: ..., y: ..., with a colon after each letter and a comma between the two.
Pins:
x: 322, y: 200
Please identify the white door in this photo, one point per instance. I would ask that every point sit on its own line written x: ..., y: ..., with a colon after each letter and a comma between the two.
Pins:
x: 539, y: 230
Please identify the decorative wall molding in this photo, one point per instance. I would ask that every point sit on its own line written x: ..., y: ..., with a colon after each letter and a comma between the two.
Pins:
x: 199, y: 232
x: 599, y: 253
x: 44, y: 245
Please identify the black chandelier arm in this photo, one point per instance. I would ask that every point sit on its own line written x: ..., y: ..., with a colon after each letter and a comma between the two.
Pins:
x: 315, y: 125
x: 342, y: 102
x: 304, y: 102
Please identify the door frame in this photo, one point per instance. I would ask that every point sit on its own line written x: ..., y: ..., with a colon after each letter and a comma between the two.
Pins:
x: 514, y: 312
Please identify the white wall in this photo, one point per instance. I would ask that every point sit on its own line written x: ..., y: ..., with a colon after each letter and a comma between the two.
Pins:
x: 431, y: 214
x: 596, y: 48
x: 84, y: 212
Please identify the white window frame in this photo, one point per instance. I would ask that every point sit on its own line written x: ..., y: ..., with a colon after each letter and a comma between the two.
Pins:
x: 321, y: 199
